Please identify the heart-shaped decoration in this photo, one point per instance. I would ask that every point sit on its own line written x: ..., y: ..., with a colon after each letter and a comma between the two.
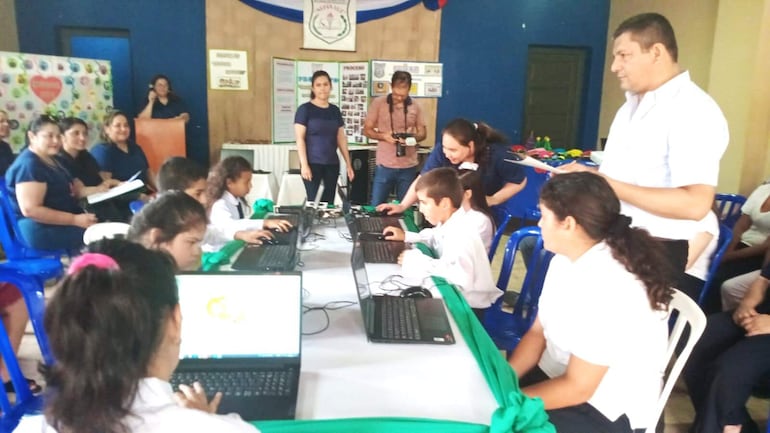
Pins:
x: 46, y: 88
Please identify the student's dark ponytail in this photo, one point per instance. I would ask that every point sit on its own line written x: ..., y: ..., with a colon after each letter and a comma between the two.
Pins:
x: 482, y: 135
x: 105, y: 326
x: 589, y: 199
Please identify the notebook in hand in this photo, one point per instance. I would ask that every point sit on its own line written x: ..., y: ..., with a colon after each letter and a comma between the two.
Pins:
x: 117, y: 191
x: 392, y: 319
x: 241, y: 335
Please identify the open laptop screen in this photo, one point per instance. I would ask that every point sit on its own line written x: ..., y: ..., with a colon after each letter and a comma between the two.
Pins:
x: 230, y: 315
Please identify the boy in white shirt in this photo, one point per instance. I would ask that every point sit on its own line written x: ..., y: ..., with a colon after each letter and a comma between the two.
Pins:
x: 462, y: 258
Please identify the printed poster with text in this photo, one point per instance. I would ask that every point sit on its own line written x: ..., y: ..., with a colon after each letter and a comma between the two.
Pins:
x: 427, y: 78
x: 305, y: 70
x: 284, y: 100
x: 32, y: 84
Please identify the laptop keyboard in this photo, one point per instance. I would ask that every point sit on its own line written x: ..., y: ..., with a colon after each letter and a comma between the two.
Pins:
x: 370, y: 225
x: 247, y: 383
x: 399, y: 318
x: 274, y: 256
x: 378, y: 252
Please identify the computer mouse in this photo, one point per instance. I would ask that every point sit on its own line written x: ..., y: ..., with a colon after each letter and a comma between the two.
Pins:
x: 268, y: 241
x: 416, y: 292
x: 371, y: 237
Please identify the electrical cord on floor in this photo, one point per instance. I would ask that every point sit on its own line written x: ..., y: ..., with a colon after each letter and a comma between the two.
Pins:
x: 329, y: 306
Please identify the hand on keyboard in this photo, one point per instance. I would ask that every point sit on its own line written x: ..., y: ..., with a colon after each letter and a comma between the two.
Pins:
x: 253, y: 236
x: 394, y: 233
x: 194, y: 397
x: 277, y: 225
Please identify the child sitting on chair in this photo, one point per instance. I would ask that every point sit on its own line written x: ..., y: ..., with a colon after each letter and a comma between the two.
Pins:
x: 182, y: 174
x: 228, y: 184
x: 462, y: 258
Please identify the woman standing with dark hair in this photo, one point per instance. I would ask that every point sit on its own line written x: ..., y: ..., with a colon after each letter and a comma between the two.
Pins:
x: 595, y: 353
x: 162, y: 102
x: 115, y: 330
x: 320, y: 131
x: 477, y: 144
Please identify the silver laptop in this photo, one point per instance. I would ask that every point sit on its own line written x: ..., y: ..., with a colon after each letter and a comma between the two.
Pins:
x: 241, y: 335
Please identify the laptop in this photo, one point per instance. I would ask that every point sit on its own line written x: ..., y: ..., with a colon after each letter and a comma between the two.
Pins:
x: 241, y: 335
x: 393, y: 319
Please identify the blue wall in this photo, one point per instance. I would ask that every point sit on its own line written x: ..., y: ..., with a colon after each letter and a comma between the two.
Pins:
x: 167, y: 36
x: 484, y: 51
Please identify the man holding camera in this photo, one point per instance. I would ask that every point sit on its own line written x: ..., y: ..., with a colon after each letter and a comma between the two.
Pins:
x: 397, y: 123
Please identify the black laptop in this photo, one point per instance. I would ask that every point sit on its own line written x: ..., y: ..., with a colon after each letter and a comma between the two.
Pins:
x: 241, y: 335
x: 393, y: 319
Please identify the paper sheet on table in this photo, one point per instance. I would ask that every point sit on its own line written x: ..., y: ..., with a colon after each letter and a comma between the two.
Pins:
x: 532, y: 162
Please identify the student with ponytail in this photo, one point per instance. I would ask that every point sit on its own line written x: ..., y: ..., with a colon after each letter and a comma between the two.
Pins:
x: 114, y: 325
x: 596, y: 350
x: 471, y: 144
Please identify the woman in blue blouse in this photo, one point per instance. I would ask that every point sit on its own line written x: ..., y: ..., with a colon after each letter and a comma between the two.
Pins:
x: 118, y: 157
x: 319, y: 130
x: 43, y: 193
x: 477, y: 145
x: 6, y: 153
x: 162, y: 102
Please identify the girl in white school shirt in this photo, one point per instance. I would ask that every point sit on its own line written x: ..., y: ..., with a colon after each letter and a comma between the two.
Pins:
x: 115, y: 330
x: 596, y: 350
x: 228, y: 184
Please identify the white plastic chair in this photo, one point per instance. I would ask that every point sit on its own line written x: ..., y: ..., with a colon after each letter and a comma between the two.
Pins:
x: 292, y: 191
x: 689, y: 313
x: 260, y: 188
x: 104, y: 231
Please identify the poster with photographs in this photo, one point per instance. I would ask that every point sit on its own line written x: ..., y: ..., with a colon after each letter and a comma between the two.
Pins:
x: 426, y: 77
x: 354, y: 99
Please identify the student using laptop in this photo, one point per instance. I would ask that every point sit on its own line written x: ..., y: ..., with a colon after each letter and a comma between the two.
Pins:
x: 462, y: 258
x: 228, y: 184
x: 175, y: 223
x: 595, y: 353
x: 110, y: 377
x: 182, y: 174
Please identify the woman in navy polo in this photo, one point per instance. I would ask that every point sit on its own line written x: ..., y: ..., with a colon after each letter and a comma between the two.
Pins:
x: 118, y: 157
x: 475, y: 145
x: 43, y: 194
x: 162, y: 102
x: 319, y: 131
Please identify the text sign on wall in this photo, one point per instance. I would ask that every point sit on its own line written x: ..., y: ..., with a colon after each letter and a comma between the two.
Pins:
x: 228, y: 70
x: 426, y: 77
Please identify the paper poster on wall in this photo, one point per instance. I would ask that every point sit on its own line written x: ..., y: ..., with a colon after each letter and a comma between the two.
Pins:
x: 284, y: 100
x: 32, y: 84
x: 228, y: 70
x: 329, y: 25
x: 426, y: 77
x: 305, y: 70
x: 354, y: 99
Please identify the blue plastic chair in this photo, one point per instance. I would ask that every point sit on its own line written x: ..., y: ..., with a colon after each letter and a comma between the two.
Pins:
x: 725, y: 236
x: 28, y: 269
x: 136, y: 206
x: 25, y: 402
x: 506, y: 329
x: 498, y: 235
x: 729, y: 206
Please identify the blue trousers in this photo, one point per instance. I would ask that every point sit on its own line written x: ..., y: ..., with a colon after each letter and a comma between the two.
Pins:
x: 49, y: 236
x: 386, y: 178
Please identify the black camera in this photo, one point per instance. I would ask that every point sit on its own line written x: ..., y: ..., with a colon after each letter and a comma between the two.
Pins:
x: 400, y: 146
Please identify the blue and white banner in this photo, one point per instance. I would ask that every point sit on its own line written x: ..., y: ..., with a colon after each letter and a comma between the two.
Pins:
x: 367, y: 10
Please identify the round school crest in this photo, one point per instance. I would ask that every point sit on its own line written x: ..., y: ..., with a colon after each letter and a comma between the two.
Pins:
x: 329, y: 20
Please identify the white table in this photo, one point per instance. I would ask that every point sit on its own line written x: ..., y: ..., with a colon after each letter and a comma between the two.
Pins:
x: 344, y: 376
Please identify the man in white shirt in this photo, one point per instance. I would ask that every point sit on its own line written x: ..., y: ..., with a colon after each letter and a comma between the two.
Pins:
x: 664, y: 146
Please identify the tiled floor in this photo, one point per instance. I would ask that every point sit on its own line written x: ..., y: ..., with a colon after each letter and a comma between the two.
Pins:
x: 678, y: 413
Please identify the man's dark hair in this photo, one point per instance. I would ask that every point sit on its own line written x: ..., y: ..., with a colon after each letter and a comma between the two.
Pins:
x: 649, y: 29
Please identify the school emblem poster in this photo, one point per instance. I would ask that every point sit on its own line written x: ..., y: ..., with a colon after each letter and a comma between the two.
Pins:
x: 32, y: 84
x: 330, y: 25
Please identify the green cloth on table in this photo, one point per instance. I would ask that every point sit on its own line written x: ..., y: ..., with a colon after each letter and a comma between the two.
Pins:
x: 212, y: 261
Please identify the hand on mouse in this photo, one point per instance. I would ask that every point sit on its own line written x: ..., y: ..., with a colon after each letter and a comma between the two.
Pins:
x: 393, y: 233
x: 253, y: 236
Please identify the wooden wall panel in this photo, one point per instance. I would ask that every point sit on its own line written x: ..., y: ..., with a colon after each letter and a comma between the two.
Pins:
x: 246, y: 116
